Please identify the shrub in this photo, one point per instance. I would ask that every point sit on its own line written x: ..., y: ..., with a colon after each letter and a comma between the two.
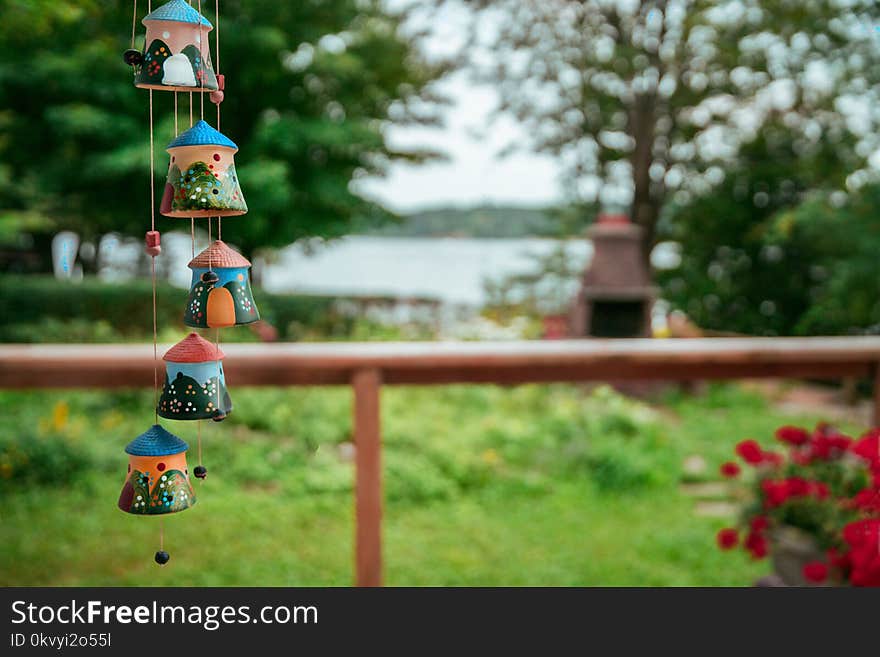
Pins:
x: 42, y: 309
x: 32, y: 460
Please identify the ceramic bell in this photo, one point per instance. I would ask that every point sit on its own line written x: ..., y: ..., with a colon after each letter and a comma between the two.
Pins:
x: 158, y: 477
x: 176, y: 56
x: 220, y: 294
x: 195, y: 385
x: 201, y: 176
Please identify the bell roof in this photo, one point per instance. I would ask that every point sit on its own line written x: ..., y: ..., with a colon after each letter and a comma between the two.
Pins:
x: 156, y: 441
x: 201, y: 134
x: 220, y: 256
x: 178, y: 11
x: 194, y: 349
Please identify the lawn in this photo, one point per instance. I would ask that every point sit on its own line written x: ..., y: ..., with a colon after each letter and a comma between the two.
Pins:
x: 535, y: 485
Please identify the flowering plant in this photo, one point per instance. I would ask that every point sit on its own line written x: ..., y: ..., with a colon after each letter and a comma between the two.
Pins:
x: 825, y: 485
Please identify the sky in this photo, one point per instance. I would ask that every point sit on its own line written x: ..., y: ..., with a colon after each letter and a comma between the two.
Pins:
x: 472, y: 174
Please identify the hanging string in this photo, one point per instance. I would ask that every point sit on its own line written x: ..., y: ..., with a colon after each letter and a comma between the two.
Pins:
x: 217, y: 48
x: 204, y: 62
x: 200, y: 436
x: 153, y: 266
x: 190, y: 109
x: 192, y: 234
x: 217, y: 70
x: 176, y: 131
x: 152, y: 170
x: 161, y: 533
x: 134, y: 22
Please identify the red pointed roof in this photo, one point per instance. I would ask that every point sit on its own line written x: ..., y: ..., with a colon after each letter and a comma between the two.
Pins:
x: 218, y: 255
x: 193, y: 349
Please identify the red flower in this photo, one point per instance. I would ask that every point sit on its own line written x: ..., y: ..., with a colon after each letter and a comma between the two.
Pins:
x: 860, y: 533
x: 867, y: 500
x: 775, y: 492
x: 868, y: 447
x: 730, y: 469
x: 727, y: 538
x: 750, y: 452
x: 756, y: 544
x: 772, y: 458
x: 829, y: 446
x: 797, y: 487
x: 863, y: 537
x: 792, y: 435
x: 837, y: 559
x: 816, y: 572
x: 820, y: 489
x: 759, y: 524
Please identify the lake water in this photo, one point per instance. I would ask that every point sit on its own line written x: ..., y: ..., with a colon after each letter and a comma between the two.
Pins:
x: 451, y: 270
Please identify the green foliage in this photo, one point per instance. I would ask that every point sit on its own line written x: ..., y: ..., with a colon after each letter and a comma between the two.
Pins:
x: 309, y: 88
x: 484, y: 485
x: 838, y: 236
x: 42, y: 309
x: 29, y: 459
x: 754, y: 261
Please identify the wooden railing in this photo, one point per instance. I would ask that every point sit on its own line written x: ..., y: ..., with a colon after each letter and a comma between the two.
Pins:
x: 367, y: 366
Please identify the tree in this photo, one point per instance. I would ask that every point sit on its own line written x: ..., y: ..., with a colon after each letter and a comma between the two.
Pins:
x: 646, y: 99
x: 310, y: 88
x: 737, y: 273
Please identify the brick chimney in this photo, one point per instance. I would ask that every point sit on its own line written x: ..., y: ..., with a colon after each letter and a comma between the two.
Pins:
x: 616, y: 295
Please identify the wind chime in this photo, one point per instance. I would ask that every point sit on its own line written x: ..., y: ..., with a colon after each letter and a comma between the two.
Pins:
x: 201, y: 183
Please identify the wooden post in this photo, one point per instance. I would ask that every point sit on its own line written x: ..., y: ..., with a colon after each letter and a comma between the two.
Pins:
x: 368, y: 473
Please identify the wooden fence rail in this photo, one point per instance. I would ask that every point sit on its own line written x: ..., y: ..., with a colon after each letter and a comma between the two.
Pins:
x: 368, y: 366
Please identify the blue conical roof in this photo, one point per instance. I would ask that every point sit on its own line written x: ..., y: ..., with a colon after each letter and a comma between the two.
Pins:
x: 155, y: 441
x: 202, y: 134
x: 178, y: 11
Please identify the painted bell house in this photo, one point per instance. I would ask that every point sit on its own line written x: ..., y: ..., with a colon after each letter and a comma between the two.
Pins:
x: 220, y: 293
x: 202, y: 181
x: 176, y: 55
x: 195, y: 384
x: 157, y: 481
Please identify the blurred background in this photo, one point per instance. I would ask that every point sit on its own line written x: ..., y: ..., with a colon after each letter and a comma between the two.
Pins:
x: 431, y: 170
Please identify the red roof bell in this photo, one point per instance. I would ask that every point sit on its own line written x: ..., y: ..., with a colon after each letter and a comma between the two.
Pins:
x: 193, y: 349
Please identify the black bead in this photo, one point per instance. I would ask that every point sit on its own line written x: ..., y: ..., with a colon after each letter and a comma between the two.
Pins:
x: 210, y: 277
x: 218, y: 415
x: 133, y: 57
x: 162, y: 557
x: 200, y: 471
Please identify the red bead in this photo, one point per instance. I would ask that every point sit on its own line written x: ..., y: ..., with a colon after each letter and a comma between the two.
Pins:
x: 221, y: 82
x: 217, y: 97
x: 153, y: 251
x: 153, y: 238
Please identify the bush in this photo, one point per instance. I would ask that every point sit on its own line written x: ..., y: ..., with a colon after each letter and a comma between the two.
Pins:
x: 43, y: 309
x: 32, y: 460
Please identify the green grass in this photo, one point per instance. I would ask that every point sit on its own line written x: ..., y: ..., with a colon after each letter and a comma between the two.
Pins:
x: 536, y: 485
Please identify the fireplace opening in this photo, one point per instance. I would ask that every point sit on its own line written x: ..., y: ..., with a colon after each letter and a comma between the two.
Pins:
x: 617, y: 319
